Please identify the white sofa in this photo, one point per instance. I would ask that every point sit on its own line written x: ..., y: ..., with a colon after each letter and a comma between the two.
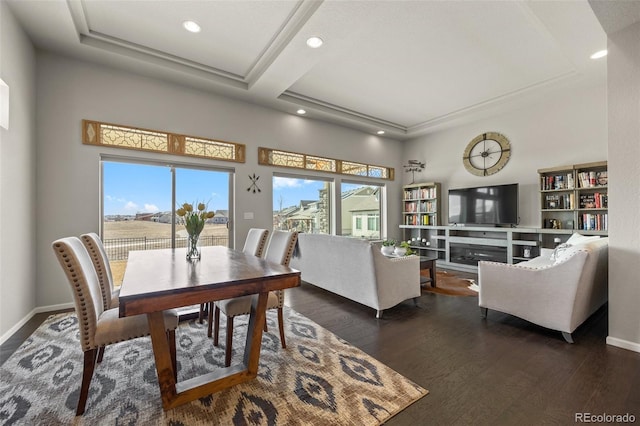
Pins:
x: 355, y: 269
x: 559, y: 294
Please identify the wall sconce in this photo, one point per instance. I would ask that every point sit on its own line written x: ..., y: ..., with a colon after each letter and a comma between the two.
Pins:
x: 4, y: 104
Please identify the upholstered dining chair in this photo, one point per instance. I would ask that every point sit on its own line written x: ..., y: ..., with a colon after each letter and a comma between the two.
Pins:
x: 280, y: 250
x: 254, y: 245
x: 94, y: 246
x: 99, y: 327
x: 256, y: 241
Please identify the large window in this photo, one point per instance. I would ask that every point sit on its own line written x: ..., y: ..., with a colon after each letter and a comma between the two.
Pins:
x: 139, y: 211
x: 302, y: 204
x: 360, y: 210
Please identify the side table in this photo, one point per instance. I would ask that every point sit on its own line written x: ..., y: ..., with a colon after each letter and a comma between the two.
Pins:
x: 428, y: 262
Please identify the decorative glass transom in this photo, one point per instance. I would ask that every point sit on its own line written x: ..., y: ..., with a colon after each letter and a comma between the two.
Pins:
x: 274, y: 157
x: 117, y: 136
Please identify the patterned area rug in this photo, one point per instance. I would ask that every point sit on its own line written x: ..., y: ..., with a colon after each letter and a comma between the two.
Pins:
x: 318, y: 379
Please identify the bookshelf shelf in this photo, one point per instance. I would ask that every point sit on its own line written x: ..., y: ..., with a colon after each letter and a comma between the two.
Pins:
x: 574, y: 197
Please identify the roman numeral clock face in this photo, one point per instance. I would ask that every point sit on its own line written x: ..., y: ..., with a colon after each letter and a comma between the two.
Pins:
x: 486, y: 154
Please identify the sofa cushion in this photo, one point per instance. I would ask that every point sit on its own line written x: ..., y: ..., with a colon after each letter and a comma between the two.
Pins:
x: 577, y: 238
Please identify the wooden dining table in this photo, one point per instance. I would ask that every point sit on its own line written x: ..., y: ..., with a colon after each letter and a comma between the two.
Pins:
x: 156, y: 280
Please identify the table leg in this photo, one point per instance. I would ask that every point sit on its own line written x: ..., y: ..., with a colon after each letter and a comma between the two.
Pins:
x: 162, y: 354
x: 253, y: 343
x: 432, y: 273
x: 174, y: 394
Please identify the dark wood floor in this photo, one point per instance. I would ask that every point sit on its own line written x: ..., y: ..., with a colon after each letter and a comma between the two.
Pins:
x: 502, y: 370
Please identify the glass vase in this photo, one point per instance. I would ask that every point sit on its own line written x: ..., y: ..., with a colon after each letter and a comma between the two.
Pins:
x: 193, y: 247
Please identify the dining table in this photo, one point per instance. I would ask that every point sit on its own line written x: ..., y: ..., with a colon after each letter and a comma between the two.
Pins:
x: 157, y: 280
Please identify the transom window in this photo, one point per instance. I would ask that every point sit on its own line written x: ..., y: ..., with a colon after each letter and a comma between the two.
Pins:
x: 274, y: 157
x: 118, y: 136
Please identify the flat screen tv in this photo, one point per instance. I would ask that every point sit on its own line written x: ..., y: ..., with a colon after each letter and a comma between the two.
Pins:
x: 485, y: 205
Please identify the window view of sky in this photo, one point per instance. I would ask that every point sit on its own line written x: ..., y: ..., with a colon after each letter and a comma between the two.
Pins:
x: 135, y: 188
x: 288, y: 192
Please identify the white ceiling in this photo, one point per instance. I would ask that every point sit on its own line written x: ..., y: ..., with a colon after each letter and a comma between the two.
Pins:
x: 407, y: 67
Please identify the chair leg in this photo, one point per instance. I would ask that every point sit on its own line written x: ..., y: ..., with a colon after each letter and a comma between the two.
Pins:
x: 201, y: 313
x: 227, y: 352
x: 100, y: 354
x: 483, y: 312
x: 171, y: 337
x: 216, y: 326
x: 281, y: 327
x: 87, y: 375
x: 265, y: 328
x: 209, y: 318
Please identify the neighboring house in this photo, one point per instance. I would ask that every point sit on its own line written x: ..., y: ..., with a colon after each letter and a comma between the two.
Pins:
x: 164, y: 217
x: 361, y: 212
x: 148, y: 217
x: 221, y: 217
x: 301, y: 218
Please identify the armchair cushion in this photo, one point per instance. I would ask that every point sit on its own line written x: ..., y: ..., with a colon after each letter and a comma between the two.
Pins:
x: 577, y: 238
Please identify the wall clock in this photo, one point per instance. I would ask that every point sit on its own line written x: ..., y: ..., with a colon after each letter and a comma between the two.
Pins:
x: 486, y: 154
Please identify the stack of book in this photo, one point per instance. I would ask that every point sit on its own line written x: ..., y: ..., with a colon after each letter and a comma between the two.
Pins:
x: 596, y: 200
x: 592, y: 179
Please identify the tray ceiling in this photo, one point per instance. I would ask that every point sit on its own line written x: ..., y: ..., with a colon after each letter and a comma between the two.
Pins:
x: 404, y: 67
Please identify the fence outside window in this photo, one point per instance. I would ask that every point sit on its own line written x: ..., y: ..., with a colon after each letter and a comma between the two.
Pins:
x: 118, y: 248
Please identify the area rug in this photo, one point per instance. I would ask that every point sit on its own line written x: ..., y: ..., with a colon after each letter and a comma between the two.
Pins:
x: 450, y: 284
x: 318, y: 379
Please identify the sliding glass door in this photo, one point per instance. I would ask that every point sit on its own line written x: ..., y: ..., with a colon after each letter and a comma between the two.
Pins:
x: 139, y: 202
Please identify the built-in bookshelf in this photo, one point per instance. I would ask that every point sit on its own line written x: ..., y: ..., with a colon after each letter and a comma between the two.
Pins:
x: 420, y: 209
x: 421, y: 204
x: 575, y: 197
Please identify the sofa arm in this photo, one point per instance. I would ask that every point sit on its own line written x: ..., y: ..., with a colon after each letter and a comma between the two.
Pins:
x: 543, y: 295
x: 397, y: 278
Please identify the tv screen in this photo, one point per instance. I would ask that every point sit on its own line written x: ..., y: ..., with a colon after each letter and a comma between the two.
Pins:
x: 485, y: 205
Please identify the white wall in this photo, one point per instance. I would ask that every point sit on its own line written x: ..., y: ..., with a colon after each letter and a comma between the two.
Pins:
x: 568, y: 128
x: 68, y: 172
x: 624, y: 188
x: 18, y: 226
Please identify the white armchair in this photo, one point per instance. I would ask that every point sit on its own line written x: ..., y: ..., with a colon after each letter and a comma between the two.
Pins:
x: 558, y: 294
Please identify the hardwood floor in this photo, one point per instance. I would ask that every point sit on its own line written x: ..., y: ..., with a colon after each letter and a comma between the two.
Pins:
x: 501, y: 370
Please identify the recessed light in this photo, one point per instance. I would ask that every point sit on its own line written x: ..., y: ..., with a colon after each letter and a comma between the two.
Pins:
x: 314, y: 42
x: 301, y: 111
x: 599, y: 54
x: 191, y: 26
x: 380, y: 132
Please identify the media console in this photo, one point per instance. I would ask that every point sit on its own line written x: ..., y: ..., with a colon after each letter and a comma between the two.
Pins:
x: 461, y: 247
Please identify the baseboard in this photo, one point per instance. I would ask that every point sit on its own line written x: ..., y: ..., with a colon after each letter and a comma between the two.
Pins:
x: 30, y: 315
x: 16, y: 327
x: 624, y: 344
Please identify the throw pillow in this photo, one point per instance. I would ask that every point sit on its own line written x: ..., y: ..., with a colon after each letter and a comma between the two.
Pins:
x: 561, y: 252
x: 576, y: 239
